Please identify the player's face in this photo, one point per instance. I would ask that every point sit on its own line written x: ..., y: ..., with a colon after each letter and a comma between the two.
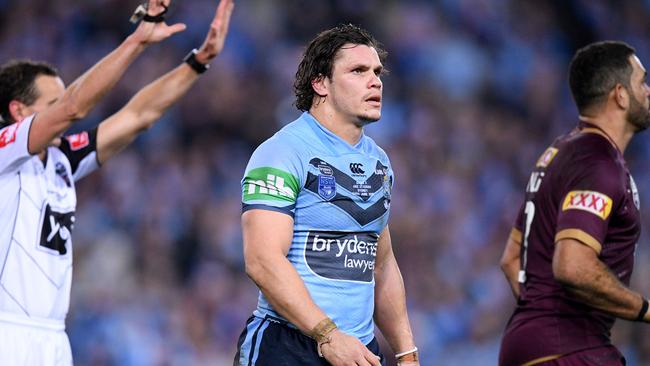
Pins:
x: 49, y: 89
x: 355, y: 87
x: 639, y: 112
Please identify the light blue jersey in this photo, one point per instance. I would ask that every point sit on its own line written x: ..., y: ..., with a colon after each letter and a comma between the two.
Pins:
x: 339, y: 197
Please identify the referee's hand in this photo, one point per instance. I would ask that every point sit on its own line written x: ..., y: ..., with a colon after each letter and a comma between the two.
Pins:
x: 150, y: 32
x: 216, y: 37
x: 346, y: 350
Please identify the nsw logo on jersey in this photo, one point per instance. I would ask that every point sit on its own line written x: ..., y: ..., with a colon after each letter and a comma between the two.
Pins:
x: 268, y: 183
x: 342, y: 255
x: 326, y: 186
x: 596, y: 203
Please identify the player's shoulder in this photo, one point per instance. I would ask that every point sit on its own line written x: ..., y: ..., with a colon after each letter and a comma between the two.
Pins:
x: 284, y: 149
x: 579, y: 151
x: 285, y: 141
x: 589, y: 145
x: 592, y: 156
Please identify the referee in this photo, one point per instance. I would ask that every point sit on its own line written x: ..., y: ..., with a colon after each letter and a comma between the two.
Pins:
x: 39, y: 170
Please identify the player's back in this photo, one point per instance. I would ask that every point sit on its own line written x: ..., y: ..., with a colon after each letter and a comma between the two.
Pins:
x: 580, y: 189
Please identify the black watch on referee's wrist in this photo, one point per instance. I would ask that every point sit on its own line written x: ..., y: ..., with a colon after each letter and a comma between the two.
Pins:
x: 190, y: 59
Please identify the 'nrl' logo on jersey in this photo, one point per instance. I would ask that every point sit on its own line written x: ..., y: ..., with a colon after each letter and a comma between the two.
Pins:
x: 268, y: 183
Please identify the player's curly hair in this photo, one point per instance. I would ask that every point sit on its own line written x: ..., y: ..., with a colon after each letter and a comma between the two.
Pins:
x: 596, y: 69
x: 318, y: 59
x: 17, y: 83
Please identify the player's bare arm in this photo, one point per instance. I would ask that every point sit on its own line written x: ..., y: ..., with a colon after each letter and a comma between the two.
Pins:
x: 267, y: 238
x: 390, y: 303
x: 146, y: 107
x: 510, y: 263
x: 584, y: 276
x: 84, y: 93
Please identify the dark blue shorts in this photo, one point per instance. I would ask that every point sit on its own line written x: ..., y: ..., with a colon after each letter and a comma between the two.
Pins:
x: 271, y: 342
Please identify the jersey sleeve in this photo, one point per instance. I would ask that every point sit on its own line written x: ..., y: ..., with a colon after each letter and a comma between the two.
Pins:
x: 81, y: 151
x: 517, y: 231
x: 13, y: 145
x: 585, y: 210
x: 273, y: 177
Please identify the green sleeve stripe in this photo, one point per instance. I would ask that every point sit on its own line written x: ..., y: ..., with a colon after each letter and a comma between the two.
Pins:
x: 268, y: 183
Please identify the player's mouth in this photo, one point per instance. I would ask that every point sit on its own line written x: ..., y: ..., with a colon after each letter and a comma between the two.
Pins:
x: 374, y: 100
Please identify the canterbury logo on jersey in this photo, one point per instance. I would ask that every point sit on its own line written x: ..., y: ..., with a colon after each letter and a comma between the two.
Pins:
x: 268, y: 183
x: 357, y: 168
x: 325, y: 185
x: 596, y: 203
x: 342, y: 255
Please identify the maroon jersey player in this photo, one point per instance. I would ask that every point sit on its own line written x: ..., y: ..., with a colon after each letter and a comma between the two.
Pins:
x: 570, y: 255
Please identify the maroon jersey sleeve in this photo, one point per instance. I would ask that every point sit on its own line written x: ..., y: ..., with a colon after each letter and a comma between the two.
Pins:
x: 593, y: 191
x: 518, y: 228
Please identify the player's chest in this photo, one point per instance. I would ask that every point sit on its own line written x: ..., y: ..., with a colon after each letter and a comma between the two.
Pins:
x: 352, y: 187
x: 628, y: 217
x: 49, y: 183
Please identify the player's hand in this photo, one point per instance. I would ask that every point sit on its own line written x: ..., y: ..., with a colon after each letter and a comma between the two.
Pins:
x: 346, y: 350
x: 216, y: 37
x: 408, y: 363
x: 149, y: 32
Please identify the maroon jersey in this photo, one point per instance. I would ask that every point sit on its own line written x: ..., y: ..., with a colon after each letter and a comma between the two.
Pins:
x: 580, y: 189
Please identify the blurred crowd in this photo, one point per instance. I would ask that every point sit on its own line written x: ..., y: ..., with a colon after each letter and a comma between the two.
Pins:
x: 477, y: 89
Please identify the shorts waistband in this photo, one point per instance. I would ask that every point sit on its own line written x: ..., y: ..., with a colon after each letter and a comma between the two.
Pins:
x: 44, y: 323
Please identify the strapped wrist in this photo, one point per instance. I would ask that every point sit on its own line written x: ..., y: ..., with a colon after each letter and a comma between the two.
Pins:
x: 321, y: 333
x: 408, y: 356
x: 191, y: 60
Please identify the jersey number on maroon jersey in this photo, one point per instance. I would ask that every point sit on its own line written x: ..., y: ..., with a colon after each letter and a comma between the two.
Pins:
x: 529, y: 214
x: 56, y: 230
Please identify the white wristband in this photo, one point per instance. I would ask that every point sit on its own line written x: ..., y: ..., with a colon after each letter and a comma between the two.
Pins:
x: 398, y: 355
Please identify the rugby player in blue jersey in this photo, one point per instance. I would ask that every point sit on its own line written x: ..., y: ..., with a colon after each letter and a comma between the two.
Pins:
x: 316, y: 199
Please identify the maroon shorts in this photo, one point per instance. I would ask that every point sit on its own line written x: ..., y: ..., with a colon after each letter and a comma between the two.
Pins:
x: 605, y: 356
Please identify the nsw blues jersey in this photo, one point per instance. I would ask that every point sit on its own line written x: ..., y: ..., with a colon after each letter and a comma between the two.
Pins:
x: 339, y: 197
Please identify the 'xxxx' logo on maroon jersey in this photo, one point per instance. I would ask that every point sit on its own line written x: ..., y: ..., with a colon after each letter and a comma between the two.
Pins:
x: 595, y: 202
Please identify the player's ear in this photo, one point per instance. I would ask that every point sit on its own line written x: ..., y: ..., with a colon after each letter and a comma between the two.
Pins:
x: 18, y: 110
x: 621, y: 96
x: 320, y: 85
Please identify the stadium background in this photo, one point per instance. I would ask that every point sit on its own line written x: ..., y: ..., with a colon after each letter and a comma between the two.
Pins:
x: 477, y: 89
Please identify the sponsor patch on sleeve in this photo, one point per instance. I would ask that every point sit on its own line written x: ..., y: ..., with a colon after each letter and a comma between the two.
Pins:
x: 546, y: 157
x: 594, y: 202
x: 8, y: 134
x: 78, y: 141
x: 268, y: 183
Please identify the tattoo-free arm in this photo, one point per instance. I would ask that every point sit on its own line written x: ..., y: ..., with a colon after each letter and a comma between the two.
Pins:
x: 510, y: 264
x: 148, y: 105
x: 589, y: 280
x: 267, y: 239
x: 390, y: 298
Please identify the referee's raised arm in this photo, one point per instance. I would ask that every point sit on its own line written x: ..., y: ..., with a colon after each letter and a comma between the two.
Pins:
x: 146, y: 107
x: 84, y: 93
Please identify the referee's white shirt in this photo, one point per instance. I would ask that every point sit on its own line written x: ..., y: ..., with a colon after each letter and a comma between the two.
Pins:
x: 36, y: 218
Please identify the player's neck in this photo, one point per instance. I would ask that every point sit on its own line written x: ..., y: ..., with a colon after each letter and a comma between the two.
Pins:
x: 615, y: 128
x: 337, y: 124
